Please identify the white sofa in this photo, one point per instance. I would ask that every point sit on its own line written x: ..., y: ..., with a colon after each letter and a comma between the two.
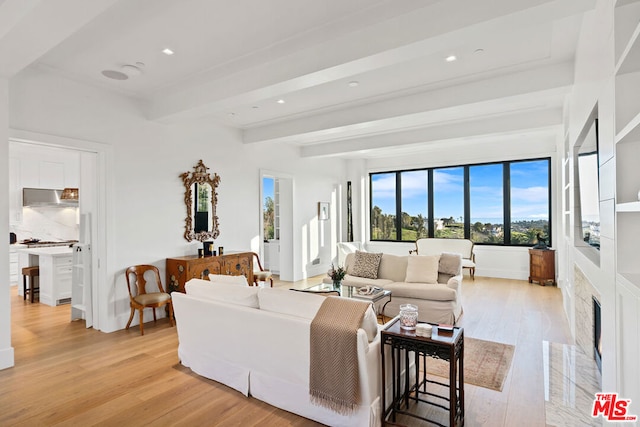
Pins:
x: 439, y: 302
x: 256, y: 340
x: 435, y: 245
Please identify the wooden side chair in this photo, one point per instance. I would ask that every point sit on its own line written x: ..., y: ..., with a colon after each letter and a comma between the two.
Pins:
x: 140, y: 299
x: 259, y: 273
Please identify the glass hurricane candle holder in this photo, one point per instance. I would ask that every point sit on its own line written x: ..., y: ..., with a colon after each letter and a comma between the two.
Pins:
x: 408, y: 316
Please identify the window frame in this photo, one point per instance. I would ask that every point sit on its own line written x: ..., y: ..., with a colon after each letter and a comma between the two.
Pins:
x: 506, y: 188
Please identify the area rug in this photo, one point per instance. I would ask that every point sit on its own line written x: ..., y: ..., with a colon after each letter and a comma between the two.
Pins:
x: 486, y: 363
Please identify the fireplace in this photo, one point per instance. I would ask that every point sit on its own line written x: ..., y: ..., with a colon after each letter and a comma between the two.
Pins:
x: 597, y: 333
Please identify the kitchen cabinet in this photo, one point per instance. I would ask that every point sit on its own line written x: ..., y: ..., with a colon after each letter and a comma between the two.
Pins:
x: 14, y: 264
x: 39, y: 167
x: 55, y: 272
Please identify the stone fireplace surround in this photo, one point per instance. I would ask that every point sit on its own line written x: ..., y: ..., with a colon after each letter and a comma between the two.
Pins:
x: 584, y: 293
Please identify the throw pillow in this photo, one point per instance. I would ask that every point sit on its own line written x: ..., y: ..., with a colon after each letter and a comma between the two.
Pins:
x: 224, y: 292
x: 366, y: 265
x: 224, y: 278
x: 422, y: 269
x: 450, y: 263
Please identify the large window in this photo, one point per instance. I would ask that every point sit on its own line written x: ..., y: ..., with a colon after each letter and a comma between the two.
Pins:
x: 414, y: 201
x: 502, y: 203
x: 486, y: 203
x: 448, y: 202
x: 529, y: 201
x: 383, y: 213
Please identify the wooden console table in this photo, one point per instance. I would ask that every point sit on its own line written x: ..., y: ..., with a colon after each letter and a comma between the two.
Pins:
x: 542, y: 266
x: 182, y: 269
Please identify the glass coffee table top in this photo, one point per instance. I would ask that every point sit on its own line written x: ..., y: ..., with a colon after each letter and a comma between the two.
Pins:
x: 351, y: 291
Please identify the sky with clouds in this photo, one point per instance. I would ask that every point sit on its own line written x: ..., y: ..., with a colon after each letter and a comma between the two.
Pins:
x: 529, y: 191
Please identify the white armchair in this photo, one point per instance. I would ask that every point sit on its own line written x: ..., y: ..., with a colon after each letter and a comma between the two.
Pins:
x: 345, y: 248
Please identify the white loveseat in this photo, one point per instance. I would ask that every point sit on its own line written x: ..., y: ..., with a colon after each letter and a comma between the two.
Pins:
x: 256, y: 340
x: 439, y: 302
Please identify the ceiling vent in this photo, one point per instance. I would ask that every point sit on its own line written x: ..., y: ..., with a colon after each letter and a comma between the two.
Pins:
x: 126, y: 71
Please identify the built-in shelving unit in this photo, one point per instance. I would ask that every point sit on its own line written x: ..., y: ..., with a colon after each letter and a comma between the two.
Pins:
x: 276, y: 208
x: 566, y: 180
x: 627, y: 139
x: 81, y: 284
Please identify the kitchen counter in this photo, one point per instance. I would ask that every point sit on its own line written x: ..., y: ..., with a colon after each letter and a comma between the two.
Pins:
x: 53, y: 251
x: 55, y: 272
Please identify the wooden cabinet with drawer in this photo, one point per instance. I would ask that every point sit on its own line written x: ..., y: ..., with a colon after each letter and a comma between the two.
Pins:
x: 542, y: 266
x: 182, y: 269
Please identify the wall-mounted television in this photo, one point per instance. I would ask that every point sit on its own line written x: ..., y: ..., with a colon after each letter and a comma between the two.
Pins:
x: 588, y: 179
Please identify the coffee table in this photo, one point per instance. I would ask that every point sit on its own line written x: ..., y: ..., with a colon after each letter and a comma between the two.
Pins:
x: 379, y: 300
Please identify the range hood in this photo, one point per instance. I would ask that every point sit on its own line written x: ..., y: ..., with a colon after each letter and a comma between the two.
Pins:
x: 45, y: 197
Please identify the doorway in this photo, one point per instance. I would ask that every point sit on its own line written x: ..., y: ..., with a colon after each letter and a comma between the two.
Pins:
x: 92, y: 189
x: 276, y: 223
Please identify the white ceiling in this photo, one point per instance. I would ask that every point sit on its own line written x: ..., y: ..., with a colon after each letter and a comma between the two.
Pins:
x: 234, y: 60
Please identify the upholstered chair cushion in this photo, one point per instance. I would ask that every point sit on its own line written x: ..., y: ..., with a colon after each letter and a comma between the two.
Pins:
x: 262, y: 275
x: 152, y: 298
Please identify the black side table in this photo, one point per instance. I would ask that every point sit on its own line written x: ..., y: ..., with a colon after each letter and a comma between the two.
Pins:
x: 445, y: 346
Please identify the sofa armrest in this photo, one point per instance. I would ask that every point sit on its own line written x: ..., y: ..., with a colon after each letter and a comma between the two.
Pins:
x: 455, y: 282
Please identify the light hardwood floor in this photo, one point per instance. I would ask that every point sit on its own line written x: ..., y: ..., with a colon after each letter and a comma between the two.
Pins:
x: 68, y: 375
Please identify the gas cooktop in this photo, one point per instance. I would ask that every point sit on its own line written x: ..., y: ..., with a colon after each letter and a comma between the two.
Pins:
x: 35, y: 243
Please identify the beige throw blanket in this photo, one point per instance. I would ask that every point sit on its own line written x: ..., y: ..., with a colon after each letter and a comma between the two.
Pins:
x: 333, y: 372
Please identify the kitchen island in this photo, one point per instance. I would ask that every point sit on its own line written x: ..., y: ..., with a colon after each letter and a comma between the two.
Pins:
x: 55, y: 272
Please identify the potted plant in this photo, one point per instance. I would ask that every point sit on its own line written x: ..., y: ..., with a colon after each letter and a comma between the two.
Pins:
x: 337, y: 274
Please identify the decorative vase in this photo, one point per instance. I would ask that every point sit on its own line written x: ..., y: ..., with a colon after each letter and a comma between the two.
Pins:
x: 336, y: 284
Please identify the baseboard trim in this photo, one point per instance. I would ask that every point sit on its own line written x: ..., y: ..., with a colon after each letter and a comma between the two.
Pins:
x: 502, y: 274
x: 7, y: 358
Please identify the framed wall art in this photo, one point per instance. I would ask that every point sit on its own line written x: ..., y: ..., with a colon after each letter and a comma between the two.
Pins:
x: 323, y: 211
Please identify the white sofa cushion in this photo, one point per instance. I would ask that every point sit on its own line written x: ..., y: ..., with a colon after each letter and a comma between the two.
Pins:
x: 393, y: 267
x: 422, y: 291
x: 299, y: 304
x: 225, y: 278
x: 422, y: 269
x: 226, y: 292
x: 306, y: 305
x: 361, y: 281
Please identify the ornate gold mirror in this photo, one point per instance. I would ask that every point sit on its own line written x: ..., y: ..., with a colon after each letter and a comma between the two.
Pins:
x: 200, y: 198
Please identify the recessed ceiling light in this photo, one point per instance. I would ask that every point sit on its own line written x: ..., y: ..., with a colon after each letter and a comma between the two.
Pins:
x: 280, y: 101
x: 167, y: 51
x: 479, y: 50
x: 255, y: 107
x: 451, y: 58
x: 353, y: 83
x: 232, y: 114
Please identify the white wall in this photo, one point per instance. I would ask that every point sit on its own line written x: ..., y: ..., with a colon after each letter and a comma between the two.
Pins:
x: 6, y: 351
x: 148, y: 157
